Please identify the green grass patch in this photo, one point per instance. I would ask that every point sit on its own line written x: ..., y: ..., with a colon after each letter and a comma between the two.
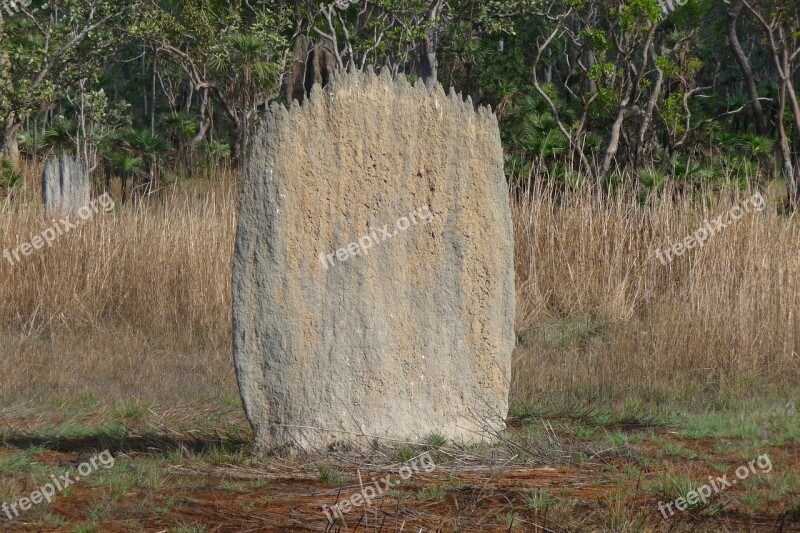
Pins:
x: 328, y: 474
x: 432, y: 493
x: 537, y: 499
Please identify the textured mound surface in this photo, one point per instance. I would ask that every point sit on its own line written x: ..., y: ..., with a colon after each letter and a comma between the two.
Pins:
x: 65, y: 185
x: 373, y: 275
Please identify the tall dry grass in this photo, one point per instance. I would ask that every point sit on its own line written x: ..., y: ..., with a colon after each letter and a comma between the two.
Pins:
x: 602, y: 318
x: 136, y: 304
x: 132, y: 303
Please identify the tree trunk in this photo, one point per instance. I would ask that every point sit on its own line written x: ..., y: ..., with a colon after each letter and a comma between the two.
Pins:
x: 205, y: 120
x: 8, y: 124
x: 295, y: 82
x: 648, y: 114
x: 124, y: 179
x: 789, y: 172
x: 788, y: 90
x: 427, y: 66
x: 744, y: 66
x: 613, y: 145
x: 9, y: 149
x: 153, y: 93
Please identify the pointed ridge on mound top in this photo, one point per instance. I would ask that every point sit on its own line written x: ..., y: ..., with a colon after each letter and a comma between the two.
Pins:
x: 355, y: 80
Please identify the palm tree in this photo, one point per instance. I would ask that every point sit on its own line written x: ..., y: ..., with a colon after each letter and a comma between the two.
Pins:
x: 532, y: 133
x: 216, y: 152
x: 246, y: 60
x: 128, y: 166
x: 182, y: 128
x: 761, y: 149
x: 60, y: 136
x: 149, y: 147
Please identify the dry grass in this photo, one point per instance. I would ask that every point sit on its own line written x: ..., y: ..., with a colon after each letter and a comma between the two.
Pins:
x: 137, y: 304
x: 603, y: 318
x: 134, y: 303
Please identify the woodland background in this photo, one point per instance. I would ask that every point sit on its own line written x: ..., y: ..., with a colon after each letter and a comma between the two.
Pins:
x: 590, y: 93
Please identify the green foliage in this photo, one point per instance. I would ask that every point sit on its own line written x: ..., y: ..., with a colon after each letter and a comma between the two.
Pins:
x: 146, y: 143
x: 10, y: 178
x: 181, y: 127
x: 161, y: 88
x: 431, y: 493
x: 756, y: 145
x: 537, y: 499
x: 652, y: 179
x: 531, y: 133
x: 126, y: 163
x: 328, y: 474
x: 60, y: 135
x: 405, y: 453
x: 435, y: 440
x: 247, y: 53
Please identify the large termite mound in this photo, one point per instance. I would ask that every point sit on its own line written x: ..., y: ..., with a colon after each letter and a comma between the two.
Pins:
x: 373, y: 275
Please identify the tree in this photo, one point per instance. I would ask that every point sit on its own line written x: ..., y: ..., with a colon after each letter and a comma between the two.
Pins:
x: 744, y: 65
x: 235, y: 55
x: 44, y: 49
x: 130, y: 167
x: 246, y: 64
x: 782, y: 27
x: 149, y: 148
